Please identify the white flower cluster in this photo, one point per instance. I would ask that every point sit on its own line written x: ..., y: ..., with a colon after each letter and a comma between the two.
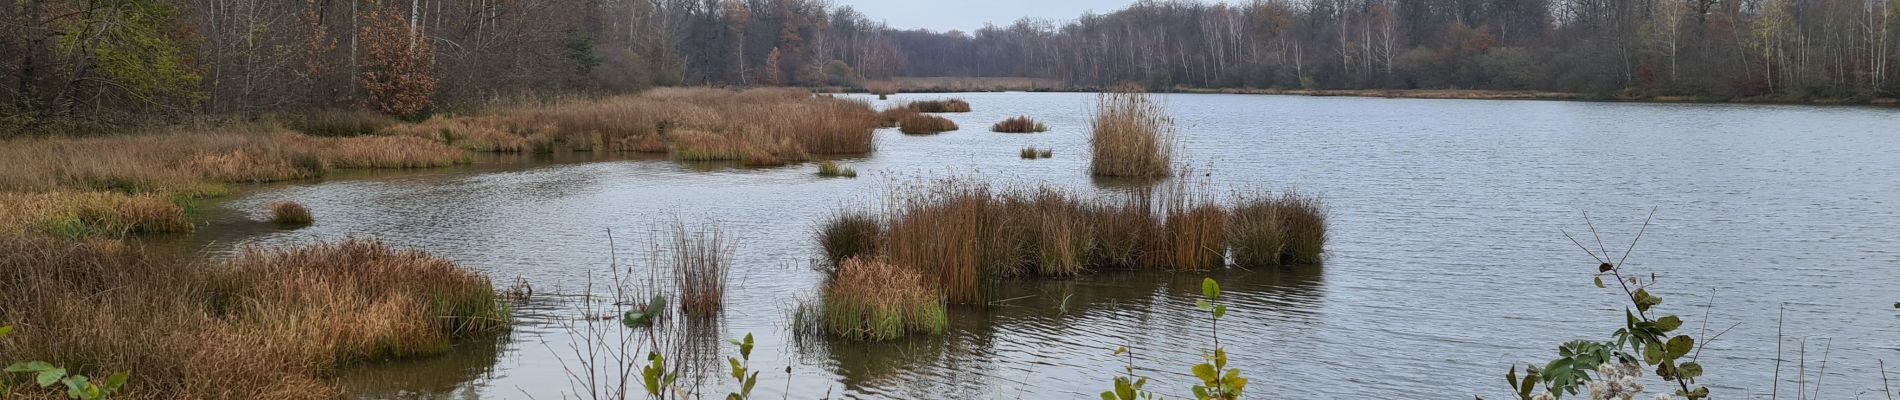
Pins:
x: 1616, y: 382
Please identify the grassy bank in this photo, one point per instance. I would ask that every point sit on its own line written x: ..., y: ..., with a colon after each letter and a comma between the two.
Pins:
x: 758, y: 126
x: 268, y: 323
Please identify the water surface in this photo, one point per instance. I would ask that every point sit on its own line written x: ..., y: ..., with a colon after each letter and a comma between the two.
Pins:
x: 1446, y: 264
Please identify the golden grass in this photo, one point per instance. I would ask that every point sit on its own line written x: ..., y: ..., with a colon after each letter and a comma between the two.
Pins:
x: 868, y: 299
x: 1277, y: 230
x: 761, y: 126
x: 89, y: 214
x: 924, y: 124
x: 190, y: 162
x: 289, y: 213
x: 1132, y: 136
x: 1019, y: 124
x: 266, y: 324
x: 939, y: 106
x: 700, y: 259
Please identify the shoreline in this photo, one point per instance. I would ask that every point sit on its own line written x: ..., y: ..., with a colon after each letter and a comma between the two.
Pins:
x: 990, y: 85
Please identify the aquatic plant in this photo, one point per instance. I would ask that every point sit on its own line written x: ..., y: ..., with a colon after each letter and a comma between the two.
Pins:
x: 289, y: 213
x: 1019, y: 124
x: 1131, y: 136
x: 893, y: 117
x: 1217, y: 380
x: 939, y: 106
x: 869, y: 299
x: 700, y: 259
x: 850, y: 234
x: 1648, y: 340
x: 1267, y: 230
x: 830, y: 169
x: 924, y: 124
x: 740, y: 366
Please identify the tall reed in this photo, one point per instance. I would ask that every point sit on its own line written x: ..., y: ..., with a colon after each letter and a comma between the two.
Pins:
x: 700, y: 259
x: 1019, y: 124
x: 924, y: 124
x: 868, y: 299
x: 1269, y: 230
x: 850, y: 234
x: 1131, y: 136
x: 289, y: 213
x: 939, y: 106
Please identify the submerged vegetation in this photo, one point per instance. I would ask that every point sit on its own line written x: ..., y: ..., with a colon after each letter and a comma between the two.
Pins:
x: 1031, y: 153
x: 830, y: 169
x: 939, y: 106
x: 1020, y: 124
x: 1131, y: 136
x: 265, y: 324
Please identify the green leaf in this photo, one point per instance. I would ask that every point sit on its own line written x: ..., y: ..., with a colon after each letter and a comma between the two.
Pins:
x: 745, y: 349
x: 1599, y: 280
x: 5, y: 330
x: 1120, y: 350
x: 1109, y: 396
x: 1203, y: 305
x: 1652, y: 355
x: 1689, y: 370
x: 1680, y: 346
x: 1206, y: 373
x: 1220, y: 311
x: 1669, y: 323
x: 1210, y: 288
x: 1511, y: 377
x: 48, y: 377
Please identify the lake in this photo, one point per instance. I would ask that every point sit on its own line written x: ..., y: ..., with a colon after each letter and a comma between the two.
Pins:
x: 1447, y: 262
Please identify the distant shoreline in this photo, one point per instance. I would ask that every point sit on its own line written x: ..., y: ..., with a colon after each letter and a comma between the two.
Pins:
x: 958, y: 85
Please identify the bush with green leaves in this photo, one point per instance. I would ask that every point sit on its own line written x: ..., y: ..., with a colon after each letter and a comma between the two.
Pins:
x: 1648, y: 340
x: 1214, y: 384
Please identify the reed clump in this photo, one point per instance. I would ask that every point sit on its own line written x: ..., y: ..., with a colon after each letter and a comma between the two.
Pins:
x: 939, y: 106
x: 830, y: 169
x: 869, y: 299
x: 1277, y: 230
x: 893, y: 117
x: 1031, y: 153
x: 924, y: 124
x: 964, y: 236
x: 265, y: 324
x: 700, y: 259
x: 289, y: 213
x: 1019, y: 124
x: 1131, y: 136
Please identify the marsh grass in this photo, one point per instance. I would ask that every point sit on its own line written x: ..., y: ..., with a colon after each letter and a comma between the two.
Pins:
x: 700, y: 259
x: 339, y: 122
x: 290, y: 214
x: 893, y: 117
x: 939, y: 106
x: 964, y: 236
x: 1269, y: 230
x: 925, y: 124
x: 264, y: 324
x: 830, y: 169
x: 1019, y: 124
x: 1031, y: 153
x: 1131, y: 136
x: 868, y: 299
x: 90, y: 214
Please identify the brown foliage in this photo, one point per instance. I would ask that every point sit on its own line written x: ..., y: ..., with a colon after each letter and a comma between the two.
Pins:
x: 924, y: 124
x: 1132, y: 136
x: 398, y: 65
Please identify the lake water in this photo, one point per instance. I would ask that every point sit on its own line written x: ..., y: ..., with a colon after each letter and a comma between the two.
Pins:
x: 1447, y: 262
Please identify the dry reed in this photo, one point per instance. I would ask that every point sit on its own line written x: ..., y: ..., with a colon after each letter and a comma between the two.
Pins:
x: 939, y: 106
x: 924, y: 124
x: 1020, y: 124
x: 1277, y: 230
x: 339, y: 122
x: 700, y: 259
x: 868, y: 299
x: 1132, y: 136
x: 266, y: 324
x: 289, y: 213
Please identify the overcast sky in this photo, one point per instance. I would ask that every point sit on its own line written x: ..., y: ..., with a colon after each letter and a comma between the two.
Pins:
x: 968, y: 15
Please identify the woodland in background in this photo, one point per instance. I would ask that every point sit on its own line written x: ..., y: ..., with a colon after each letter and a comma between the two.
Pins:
x: 102, y: 63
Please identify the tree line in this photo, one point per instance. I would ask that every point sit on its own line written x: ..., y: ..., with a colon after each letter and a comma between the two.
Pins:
x: 109, y: 61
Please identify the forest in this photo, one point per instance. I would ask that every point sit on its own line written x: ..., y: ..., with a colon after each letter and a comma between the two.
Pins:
x: 90, y: 63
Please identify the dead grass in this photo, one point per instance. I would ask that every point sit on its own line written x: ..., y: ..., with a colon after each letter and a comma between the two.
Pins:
x: 1132, y: 136
x: 925, y: 124
x: 868, y: 299
x: 191, y: 162
x: 289, y: 213
x: 1269, y: 230
x: 266, y: 324
x: 1019, y: 124
x: 893, y: 117
x: 339, y: 122
x: 762, y: 126
x: 939, y: 106
x: 89, y: 214
x: 963, y: 236
x: 701, y: 259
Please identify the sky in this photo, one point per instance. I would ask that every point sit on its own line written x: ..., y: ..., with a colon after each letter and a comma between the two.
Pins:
x: 968, y: 15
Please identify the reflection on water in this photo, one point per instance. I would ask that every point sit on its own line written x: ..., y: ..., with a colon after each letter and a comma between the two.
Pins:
x: 1445, y: 264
